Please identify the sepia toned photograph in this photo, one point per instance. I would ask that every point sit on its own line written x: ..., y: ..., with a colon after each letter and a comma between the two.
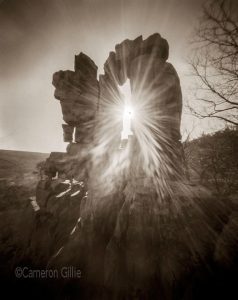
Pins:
x: 119, y: 149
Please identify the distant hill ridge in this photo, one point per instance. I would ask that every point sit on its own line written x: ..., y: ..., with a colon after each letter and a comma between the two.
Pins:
x: 15, y: 163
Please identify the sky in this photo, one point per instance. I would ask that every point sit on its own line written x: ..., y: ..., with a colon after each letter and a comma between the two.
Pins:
x: 40, y: 37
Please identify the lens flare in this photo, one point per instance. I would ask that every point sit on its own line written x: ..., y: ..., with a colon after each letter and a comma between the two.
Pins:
x: 127, y: 118
x: 135, y: 136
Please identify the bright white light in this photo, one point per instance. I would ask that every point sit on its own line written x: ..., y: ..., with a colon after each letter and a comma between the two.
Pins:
x: 126, y: 131
x: 128, y: 112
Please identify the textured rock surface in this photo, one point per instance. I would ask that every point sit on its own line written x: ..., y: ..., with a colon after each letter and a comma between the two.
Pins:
x: 68, y: 133
x: 78, y: 92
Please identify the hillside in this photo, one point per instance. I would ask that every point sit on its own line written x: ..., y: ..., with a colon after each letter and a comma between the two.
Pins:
x: 212, y: 160
x: 192, y: 250
x: 17, y: 167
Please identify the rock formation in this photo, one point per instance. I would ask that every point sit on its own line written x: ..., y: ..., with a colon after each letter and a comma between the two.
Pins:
x: 121, y: 221
x: 124, y: 216
x: 156, y: 94
x: 78, y: 94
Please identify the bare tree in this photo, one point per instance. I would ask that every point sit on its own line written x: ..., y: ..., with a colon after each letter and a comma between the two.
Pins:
x: 215, y: 63
x: 212, y: 159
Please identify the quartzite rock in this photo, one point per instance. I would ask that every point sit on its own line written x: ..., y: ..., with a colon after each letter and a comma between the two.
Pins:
x: 68, y: 133
x: 77, y: 91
